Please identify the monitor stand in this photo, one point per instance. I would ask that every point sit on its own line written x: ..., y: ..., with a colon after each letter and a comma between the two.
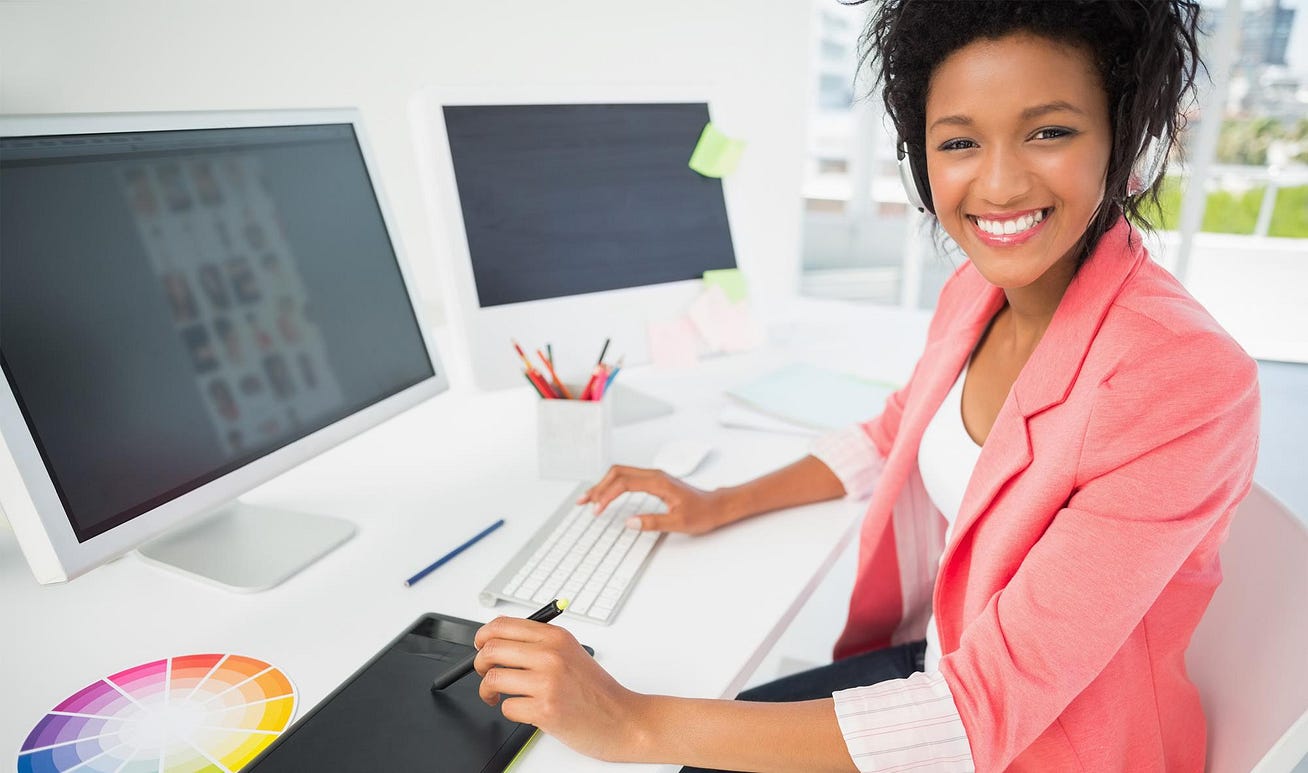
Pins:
x: 246, y: 548
x: 631, y: 406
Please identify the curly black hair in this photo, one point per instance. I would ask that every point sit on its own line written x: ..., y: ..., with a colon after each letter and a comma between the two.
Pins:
x: 1145, y: 51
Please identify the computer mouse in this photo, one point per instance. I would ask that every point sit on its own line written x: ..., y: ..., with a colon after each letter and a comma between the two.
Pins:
x: 682, y: 457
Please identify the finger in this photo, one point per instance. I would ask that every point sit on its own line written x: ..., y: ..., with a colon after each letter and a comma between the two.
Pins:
x: 630, y: 479
x: 504, y: 653
x: 638, y: 479
x: 507, y: 681
x: 520, y: 709
x: 512, y: 628
x: 652, y: 522
x: 590, y: 492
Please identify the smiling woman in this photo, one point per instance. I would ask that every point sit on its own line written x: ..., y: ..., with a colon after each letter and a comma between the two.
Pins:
x: 1018, y: 174
x: 1047, y: 493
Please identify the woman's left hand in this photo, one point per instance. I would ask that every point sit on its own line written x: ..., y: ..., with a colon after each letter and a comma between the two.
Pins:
x: 538, y: 674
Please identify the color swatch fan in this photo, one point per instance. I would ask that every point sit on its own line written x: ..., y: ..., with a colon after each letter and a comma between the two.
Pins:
x: 188, y: 714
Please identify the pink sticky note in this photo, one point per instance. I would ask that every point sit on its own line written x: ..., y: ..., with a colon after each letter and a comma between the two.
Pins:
x: 725, y: 326
x: 673, y: 343
x: 741, y: 332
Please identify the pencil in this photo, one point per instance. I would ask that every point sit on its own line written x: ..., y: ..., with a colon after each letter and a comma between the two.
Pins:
x: 438, y: 563
x: 523, y: 355
x: 549, y: 365
x: 591, y: 392
x: 464, y: 667
x: 613, y: 374
x: 538, y: 381
x: 604, y: 349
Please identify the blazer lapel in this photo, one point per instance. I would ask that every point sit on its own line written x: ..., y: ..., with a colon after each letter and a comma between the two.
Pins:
x: 1047, y: 377
x: 946, y: 356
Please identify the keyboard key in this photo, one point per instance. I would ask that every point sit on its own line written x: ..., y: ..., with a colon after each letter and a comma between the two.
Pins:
x: 589, y: 559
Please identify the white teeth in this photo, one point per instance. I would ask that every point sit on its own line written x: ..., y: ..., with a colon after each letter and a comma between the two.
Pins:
x: 1009, y: 227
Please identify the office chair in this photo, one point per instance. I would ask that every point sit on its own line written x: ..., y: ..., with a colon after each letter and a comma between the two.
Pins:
x: 1249, y: 655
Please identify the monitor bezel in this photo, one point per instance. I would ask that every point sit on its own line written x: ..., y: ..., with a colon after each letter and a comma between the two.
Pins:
x: 27, y: 494
x: 480, y: 336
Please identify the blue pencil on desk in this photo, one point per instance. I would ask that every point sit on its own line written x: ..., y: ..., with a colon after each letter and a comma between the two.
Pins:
x: 438, y: 563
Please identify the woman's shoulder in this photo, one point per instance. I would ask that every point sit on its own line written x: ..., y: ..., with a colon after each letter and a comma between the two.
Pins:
x: 1154, y: 310
x: 1157, y: 342
x: 1161, y: 367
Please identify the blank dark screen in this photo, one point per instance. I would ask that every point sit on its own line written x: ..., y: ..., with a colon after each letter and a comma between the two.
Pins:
x: 177, y: 304
x: 562, y: 200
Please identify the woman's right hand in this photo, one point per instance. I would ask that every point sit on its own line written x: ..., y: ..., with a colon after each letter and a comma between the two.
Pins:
x: 690, y: 510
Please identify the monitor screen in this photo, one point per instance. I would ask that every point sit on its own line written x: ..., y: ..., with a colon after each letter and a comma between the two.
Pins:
x: 177, y: 304
x: 567, y: 199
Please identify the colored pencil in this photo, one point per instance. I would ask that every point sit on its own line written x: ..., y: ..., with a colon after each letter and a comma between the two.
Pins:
x: 438, y: 563
x: 558, y: 385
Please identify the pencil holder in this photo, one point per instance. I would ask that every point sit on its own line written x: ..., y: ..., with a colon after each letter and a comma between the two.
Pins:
x: 574, y: 437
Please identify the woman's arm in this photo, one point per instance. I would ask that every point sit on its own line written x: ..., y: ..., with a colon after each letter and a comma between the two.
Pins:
x: 742, y: 735
x: 551, y: 682
x: 695, y: 511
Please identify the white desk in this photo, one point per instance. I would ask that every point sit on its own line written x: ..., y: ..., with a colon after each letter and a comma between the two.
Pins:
x: 421, y: 484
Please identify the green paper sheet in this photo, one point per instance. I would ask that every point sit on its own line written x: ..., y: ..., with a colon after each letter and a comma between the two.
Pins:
x: 730, y: 280
x: 716, y: 154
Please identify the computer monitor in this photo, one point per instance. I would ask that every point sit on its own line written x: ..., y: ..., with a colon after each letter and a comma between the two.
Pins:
x: 190, y: 305
x: 567, y: 218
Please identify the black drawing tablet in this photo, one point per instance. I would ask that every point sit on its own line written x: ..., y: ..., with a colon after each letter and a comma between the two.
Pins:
x: 385, y: 717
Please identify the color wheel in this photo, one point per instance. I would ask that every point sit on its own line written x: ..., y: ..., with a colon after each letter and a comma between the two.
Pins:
x: 212, y: 713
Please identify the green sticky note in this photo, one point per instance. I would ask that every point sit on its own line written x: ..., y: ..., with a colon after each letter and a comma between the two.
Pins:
x: 716, y: 154
x: 730, y: 280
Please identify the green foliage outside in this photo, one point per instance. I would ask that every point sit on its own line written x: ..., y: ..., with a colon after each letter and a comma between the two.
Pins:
x: 1245, y: 141
x: 1237, y: 213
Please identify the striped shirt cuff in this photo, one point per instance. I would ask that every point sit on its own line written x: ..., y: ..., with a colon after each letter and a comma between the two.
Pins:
x: 904, y: 724
x: 853, y: 457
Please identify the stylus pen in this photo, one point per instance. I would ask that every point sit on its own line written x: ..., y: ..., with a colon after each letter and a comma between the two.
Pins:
x: 438, y: 563
x: 464, y: 667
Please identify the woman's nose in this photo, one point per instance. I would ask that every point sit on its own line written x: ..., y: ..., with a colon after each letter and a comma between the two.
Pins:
x: 1002, y: 178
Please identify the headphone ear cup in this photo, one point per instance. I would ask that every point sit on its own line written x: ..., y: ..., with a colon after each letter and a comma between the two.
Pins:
x: 912, y: 173
x: 1147, y: 166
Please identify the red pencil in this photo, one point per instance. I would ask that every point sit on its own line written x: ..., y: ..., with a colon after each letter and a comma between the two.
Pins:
x: 542, y: 386
x: 521, y: 354
x: 594, y: 390
x: 558, y: 385
x: 534, y: 385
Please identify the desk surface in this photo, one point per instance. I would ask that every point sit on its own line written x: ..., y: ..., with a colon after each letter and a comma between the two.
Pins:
x: 422, y: 483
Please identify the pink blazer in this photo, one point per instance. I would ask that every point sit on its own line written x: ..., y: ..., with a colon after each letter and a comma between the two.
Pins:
x: 1085, y: 550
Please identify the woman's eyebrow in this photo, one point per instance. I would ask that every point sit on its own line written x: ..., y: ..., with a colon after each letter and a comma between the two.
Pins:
x: 1031, y: 113
x: 1057, y: 106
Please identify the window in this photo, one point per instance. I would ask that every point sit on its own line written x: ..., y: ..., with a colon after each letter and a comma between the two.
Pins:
x: 1234, y: 225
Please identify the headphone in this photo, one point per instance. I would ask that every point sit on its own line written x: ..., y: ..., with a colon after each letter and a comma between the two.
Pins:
x: 1147, y: 166
x: 1144, y: 172
x: 912, y: 173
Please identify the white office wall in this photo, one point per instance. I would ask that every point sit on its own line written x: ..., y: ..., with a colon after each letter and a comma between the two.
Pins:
x: 61, y: 56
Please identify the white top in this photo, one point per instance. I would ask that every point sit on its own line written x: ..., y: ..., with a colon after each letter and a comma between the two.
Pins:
x: 946, y: 459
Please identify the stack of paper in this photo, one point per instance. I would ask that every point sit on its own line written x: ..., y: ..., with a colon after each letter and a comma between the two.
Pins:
x: 804, y: 399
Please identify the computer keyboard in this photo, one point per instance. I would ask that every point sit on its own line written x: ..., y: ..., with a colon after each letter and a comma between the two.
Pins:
x: 591, y: 560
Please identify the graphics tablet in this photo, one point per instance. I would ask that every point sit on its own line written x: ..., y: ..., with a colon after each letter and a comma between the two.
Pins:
x: 385, y: 716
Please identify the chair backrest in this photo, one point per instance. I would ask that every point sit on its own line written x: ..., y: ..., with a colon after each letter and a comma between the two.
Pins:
x: 1249, y: 655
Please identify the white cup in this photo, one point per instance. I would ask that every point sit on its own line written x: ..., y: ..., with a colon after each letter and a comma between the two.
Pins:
x: 574, y: 438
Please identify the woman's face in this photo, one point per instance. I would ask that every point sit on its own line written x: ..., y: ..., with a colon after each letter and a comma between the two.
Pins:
x: 1017, y: 146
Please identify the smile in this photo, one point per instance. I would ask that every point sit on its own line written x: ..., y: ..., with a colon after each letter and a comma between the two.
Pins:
x: 1009, y: 230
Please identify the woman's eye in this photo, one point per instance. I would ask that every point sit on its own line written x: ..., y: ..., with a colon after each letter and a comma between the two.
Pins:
x: 1052, y: 133
x: 957, y: 145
